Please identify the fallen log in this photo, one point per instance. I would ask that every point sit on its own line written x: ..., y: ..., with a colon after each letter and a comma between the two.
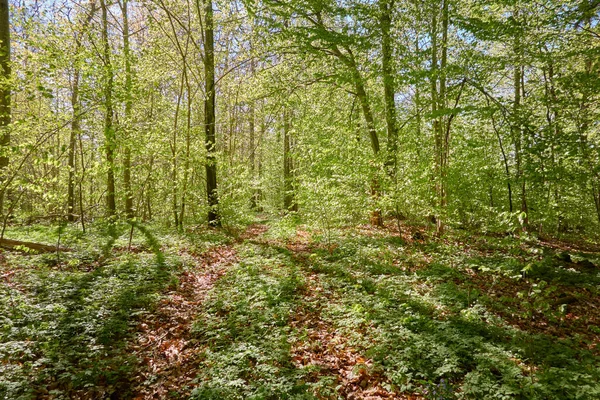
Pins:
x: 40, y: 248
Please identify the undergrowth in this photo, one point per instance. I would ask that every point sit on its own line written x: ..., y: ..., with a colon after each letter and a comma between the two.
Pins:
x: 311, y: 314
x: 65, y: 318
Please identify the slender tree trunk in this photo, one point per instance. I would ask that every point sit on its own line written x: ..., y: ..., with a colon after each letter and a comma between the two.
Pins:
x: 517, y: 136
x: 174, y: 160
x: 259, y: 192
x: 109, y: 131
x: 386, y: 8
x: 505, y: 160
x: 554, y: 127
x: 583, y: 125
x: 209, y: 116
x: 361, y: 93
x: 128, y: 114
x: 441, y: 124
x: 444, y: 124
x: 417, y: 5
x: 81, y: 178
x: 76, y: 121
x: 436, y: 126
x: 252, y: 157
x: 75, y: 132
x: 289, y: 203
x: 5, y: 103
x: 376, y: 216
x: 186, y: 162
x: 366, y: 109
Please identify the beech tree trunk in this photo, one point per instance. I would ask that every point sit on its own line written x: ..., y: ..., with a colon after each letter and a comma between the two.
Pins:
x: 289, y: 203
x: 209, y: 116
x: 186, y: 162
x: 517, y: 130
x: 76, y: 119
x: 5, y: 103
x: 386, y: 10
x: 441, y: 124
x: 376, y: 216
x: 128, y: 114
x: 109, y: 131
x: 75, y: 131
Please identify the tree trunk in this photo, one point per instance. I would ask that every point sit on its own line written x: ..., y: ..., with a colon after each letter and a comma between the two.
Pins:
x: 444, y: 122
x: 441, y: 124
x: 109, y: 132
x: 128, y: 114
x: 252, y: 156
x: 386, y: 11
x: 5, y: 103
x: 436, y: 126
x: 517, y: 130
x: 186, y: 163
x: 259, y: 192
x: 76, y: 121
x: 289, y: 203
x: 209, y: 116
x: 75, y: 131
x: 174, y: 160
x: 376, y: 216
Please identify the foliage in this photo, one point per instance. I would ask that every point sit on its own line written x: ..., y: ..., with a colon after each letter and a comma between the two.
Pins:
x: 66, y: 325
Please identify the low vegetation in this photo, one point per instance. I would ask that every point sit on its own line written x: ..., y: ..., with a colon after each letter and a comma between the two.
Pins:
x: 289, y: 311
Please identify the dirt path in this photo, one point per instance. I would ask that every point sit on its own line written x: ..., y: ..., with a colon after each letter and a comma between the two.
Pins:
x: 169, y: 354
x: 164, y: 342
x: 326, y: 347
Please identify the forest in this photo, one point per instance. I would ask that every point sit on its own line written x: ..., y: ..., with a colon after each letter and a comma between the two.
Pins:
x: 299, y: 199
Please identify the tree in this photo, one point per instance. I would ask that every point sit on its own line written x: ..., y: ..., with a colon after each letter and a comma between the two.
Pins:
x: 76, y: 117
x: 5, y: 92
x: 289, y: 203
x: 209, y: 115
x: 386, y: 9
x: 110, y: 142
x: 128, y: 112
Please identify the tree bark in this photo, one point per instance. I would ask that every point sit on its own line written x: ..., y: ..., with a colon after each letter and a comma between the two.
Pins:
x: 441, y: 124
x: 444, y: 125
x: 517, y: 130
x: 109, y: 132
x: 5, y: 90
x: 386, y: 12
x: 252, y: 131
x: 40, y: 248
x: 128, y: 114
x: 376, y: 218
x: 436, y: 126
x: 209, y: 116
x: 289, y: 203
x: 76, y: 118
x: 174, y: 158
x: 186, y: 163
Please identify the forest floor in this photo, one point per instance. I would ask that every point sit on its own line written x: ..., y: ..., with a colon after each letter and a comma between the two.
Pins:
x: 278, y: 310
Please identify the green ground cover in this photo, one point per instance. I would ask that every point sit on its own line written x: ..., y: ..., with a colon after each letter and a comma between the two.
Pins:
x: 302, y: 314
